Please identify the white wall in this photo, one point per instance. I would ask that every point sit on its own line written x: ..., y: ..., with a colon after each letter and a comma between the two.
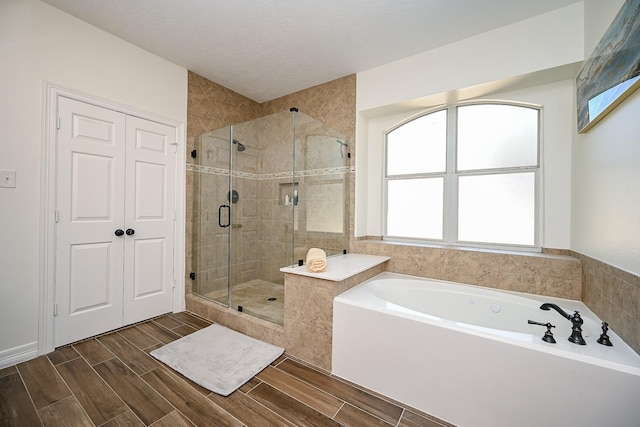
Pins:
x: 531, y: 61
x: 606, y: 170
x: 540, y: 43
x: 39, y: 44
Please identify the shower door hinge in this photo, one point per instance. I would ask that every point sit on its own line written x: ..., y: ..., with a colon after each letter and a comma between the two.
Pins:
x: 192, y: 276
x: 55, y: 309
x: 194, y: 153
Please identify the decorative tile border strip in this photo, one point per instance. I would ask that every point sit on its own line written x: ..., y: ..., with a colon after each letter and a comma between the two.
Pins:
x: 277, y: 175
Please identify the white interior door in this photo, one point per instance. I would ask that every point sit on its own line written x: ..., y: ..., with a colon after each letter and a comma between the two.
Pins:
x: 89, y: 209
x: 150, y: 215
x: 115, y: 210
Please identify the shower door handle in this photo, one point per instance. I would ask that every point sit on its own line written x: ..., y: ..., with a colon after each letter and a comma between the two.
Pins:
x: 228, y: 208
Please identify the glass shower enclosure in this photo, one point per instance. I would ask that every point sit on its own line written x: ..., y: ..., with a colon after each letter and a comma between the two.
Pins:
x: 265, y: 192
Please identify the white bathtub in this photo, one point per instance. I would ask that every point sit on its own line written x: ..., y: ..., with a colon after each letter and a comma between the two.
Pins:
x: 467, y: 355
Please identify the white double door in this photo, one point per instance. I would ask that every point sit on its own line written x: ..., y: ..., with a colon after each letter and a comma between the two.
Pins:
x: 115, y: 220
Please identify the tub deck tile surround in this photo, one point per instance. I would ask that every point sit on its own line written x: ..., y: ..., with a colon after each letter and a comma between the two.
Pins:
x: 614, y: 295
x: 65, y: 388
x: 555, y: 274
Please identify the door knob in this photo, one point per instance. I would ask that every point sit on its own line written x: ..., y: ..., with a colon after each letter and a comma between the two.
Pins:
x: 130, y: 231
x: 119, y: 232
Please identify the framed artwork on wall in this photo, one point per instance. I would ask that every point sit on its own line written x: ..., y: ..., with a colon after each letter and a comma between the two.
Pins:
x: 612, y: 72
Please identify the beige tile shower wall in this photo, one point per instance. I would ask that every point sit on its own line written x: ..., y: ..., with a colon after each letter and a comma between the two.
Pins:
x: 543, y: 274
x: 322, y: 199
x: 212, y: 106
x: 276, y: 140
x: 614, y: 295
x: 276, y: 228
x: 332, y: 103
x: 246, y: 229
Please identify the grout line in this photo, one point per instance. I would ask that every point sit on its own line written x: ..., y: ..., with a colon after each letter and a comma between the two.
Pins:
x: 264, y: 406
x: 92, y: 367
x: 300, y: 401
x: 401, y: 416
x: 252, y: 388
x: 24, y: 385
x: 327, y: 392
x: 355, y: 386
x: 156, y: 392
x: 339, y: 409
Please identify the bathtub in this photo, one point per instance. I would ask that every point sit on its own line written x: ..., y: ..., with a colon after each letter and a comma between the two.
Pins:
x: 467, y: 355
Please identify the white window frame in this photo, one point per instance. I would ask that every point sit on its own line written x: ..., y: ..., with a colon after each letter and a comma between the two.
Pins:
x: 451, y: 175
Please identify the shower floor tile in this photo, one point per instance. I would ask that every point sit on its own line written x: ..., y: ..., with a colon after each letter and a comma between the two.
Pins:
x: 257, y: 297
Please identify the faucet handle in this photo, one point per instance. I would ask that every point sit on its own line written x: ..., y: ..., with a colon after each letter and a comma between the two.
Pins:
x: 576, y: 329
x: 604, y: 338
x: 548, y: 335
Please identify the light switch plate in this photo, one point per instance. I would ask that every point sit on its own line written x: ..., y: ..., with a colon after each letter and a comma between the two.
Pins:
x: 7, y: 179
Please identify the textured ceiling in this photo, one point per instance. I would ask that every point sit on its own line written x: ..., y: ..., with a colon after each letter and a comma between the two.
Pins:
x: 264, y: 49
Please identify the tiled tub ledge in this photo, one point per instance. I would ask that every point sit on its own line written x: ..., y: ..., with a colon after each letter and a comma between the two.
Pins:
x: 308, y: 305
x: 341, y: 267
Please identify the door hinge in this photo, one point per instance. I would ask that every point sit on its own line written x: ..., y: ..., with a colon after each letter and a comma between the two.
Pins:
x: 194, y: 153
x: 175, y: 147
x: 192, y: 276
x: 57, y: 216
x: 58, y: 123
x: 55, y: 309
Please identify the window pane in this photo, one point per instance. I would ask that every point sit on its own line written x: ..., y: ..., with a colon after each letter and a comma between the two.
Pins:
x: 497, y: 209
x: 419, y: 146
x: 414, y: 208
x: 495, y: 136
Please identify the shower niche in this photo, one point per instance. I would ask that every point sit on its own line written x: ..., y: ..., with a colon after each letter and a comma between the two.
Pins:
x: 265, y: 191
x: 288, y: 193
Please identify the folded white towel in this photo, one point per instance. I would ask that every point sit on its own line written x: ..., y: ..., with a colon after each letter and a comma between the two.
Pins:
x: 316, y: 260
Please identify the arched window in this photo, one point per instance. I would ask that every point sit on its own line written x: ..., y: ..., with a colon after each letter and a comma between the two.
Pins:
x: 465, y: 175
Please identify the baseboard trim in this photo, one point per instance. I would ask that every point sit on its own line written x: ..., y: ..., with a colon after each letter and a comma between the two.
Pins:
x: 18, y: 354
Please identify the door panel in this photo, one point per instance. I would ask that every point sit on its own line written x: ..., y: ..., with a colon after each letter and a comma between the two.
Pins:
x: 150, y: 192
x: 150, y: 260
x: 90, y: 277
x: 90, y: 206
x: 92, y: 192
x: 150, y: 203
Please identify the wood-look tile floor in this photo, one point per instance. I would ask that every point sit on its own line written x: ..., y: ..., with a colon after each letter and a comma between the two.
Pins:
x: 111, y: 380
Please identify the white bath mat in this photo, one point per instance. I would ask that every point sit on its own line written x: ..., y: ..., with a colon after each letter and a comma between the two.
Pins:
x: 218, y: 358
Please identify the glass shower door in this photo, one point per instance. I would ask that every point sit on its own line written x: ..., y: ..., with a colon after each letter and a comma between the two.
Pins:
x: 212, y: 215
